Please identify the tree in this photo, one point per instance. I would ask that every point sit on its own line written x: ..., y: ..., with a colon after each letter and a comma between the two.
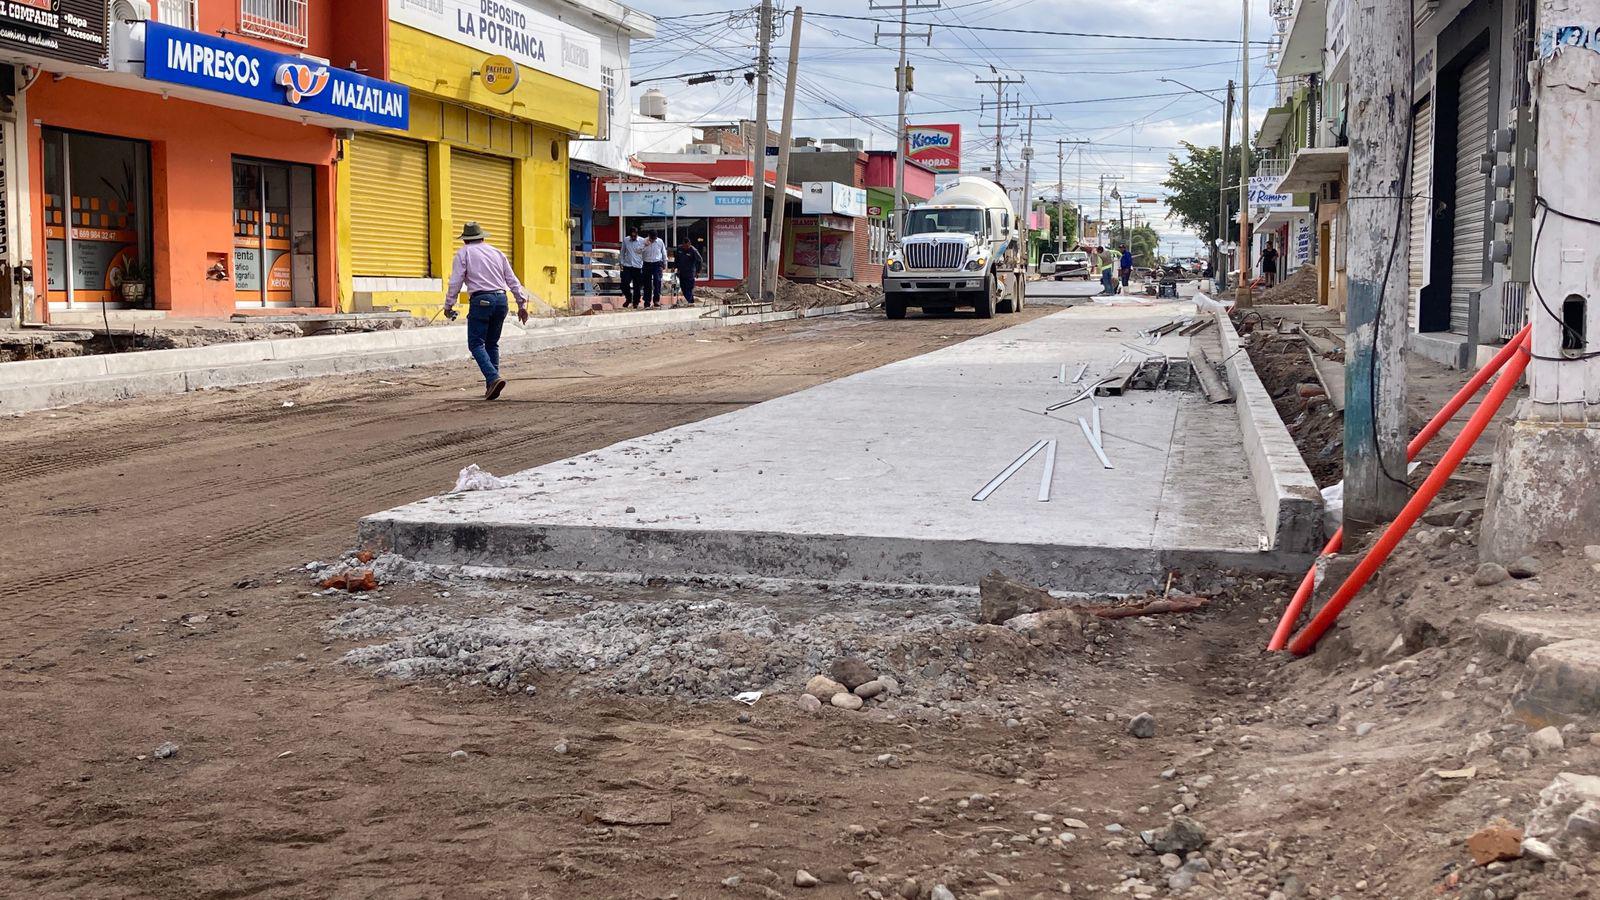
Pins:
x: 1192, y: 190
x: 1142, y: 239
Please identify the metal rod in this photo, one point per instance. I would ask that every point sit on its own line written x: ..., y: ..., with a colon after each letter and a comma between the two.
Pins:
x: 1081, y: 369
x: 1094, y: 444
x: 1096, y: 423
x: 1087, y: 392
x: 1019, y: 462
x: 1049, y: 472
x: 1063, y: 376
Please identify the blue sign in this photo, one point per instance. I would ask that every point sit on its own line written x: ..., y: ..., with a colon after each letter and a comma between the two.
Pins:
x: 191, y: 58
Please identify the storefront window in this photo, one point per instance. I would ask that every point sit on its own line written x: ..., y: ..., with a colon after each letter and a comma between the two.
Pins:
x: 96, y: 219
x: 274, y: 234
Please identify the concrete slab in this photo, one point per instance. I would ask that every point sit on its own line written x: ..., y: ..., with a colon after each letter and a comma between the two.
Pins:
x: 1515, y: 635
x: 1562, y: 684
x: 870, y: 478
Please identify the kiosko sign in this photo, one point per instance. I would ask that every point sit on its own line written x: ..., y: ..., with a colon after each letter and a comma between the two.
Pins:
x: 67, y: 30
x: 529, y: 38
x: 185, y: 57
x: 936, y: 146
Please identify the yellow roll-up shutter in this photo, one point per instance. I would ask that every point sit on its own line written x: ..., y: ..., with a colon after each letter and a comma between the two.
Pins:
x: 480, y: 191
x: 388, y: 207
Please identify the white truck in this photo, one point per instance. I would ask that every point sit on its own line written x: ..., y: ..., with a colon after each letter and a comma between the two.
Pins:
x: 961, y: 248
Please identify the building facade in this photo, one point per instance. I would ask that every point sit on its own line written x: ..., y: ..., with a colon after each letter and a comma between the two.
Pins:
x: 498, y: 91
x: 185, y: 173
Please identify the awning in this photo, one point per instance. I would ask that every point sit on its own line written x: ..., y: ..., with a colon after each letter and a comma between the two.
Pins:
x: 1272, y: 127
x: 1279, y: 216
x: 1313, y: 167
x: 1302, y: 45
x: 745, y: 181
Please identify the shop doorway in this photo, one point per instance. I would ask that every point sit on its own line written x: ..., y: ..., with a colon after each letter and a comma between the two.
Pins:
x: 96, y: 220
x: 274, y: 234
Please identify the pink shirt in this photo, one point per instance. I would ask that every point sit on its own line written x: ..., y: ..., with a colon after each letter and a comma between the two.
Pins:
x: 480, y: 267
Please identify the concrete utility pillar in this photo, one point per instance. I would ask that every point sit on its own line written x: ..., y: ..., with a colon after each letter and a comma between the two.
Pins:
x: 1546, y: 481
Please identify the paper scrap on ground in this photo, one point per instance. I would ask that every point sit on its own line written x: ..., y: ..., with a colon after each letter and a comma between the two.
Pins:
x: 473, y: 478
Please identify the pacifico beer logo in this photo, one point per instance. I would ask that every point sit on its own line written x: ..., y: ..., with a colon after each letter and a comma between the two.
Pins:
x: 500, y: 74
x: 300, y: 81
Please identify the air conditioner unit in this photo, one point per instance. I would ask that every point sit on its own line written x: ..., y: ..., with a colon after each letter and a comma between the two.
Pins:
x: 130, y: 11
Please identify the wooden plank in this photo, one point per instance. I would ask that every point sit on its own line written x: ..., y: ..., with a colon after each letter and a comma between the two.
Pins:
x: 1212, y: 384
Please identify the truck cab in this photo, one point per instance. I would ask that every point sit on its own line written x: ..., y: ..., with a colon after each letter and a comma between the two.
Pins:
x: 960, y: 249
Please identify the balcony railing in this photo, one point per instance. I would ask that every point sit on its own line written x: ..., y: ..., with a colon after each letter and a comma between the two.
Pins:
x: 1271, y: 167
x: 277, y: 20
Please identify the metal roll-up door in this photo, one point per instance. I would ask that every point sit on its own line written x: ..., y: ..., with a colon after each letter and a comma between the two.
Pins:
x: 480, y: 191
x: 388, y: 207
x: 1421, y: 189
x: 1471, y: 195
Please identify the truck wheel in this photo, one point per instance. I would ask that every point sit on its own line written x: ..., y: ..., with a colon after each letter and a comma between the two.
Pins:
x: 894, y: 308
x: 1021, y: 297
x: 985, y: 306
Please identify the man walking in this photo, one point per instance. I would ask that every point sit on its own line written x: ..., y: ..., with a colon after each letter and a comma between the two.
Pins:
x: 1107, y: 263
x: 654, y: 254
x: 687, y: 261
x: 486, y: 275
x: 1127, y: 265
x: 632, y: 268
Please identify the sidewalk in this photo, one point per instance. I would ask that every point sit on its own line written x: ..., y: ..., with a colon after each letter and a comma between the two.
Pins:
x: 51, y: 383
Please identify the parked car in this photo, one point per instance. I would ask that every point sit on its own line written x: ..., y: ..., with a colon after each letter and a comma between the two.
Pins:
x: 1071, y: 264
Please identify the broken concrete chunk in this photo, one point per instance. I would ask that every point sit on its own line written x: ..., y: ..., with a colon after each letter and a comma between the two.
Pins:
x: 1182, y: 836
x: 1001, y: 597
x: 1567, y: 817
x: 1562, y: 682
x: 1546, y: 740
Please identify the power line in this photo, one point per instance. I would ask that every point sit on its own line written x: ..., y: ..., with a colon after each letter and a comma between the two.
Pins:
x: 1087, y: 34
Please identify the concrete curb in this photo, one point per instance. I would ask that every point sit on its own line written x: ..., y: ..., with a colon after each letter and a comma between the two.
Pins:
x: 1291, y: 504
x: 53, y: 383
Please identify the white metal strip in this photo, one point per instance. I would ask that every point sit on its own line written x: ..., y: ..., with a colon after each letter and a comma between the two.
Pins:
x: 994, y: 483
x: 1094, y: 444
x: 1049, y: 472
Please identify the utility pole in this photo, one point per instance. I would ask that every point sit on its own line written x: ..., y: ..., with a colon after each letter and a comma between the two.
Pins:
x: 1061, y: 193
x: 1027, y: 184
x: 1219, y: 253
x: 1375, y: 428
x: 769, y: 289
x: 754, y: 267
x: 902, y: 87
x: 1242, y: 297
x: 1001, y: 104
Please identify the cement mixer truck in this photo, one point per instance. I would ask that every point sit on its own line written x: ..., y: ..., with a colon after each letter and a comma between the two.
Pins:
x: 962, y: 248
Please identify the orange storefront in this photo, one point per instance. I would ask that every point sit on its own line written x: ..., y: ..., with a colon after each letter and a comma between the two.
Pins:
x: 200, y: 181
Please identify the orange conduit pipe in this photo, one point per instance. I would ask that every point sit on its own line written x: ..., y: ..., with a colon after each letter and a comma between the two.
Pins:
x: 1303, y: 594
x: 1307, y: 639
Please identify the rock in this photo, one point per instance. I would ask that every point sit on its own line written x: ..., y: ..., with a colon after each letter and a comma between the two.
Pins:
x: 1183, y: 835
x: 1489, y: 574
x: 1171, y: 861
x: 910, y: 889
x: 823, y: 688
x: 869, y: 690
x: 459, y: 755
x: 1180, y: 880
x: 561, y: 746
x: 846, y: 700
x: 1546, y: 740
x: 1001, y: 597
x: 890, y: 684
x: 744, y: 718
x: 1568, y: 813
x: 1592, y: 551
x: 940, y: 892
x: 633, y: 814
x: 1538, y: 850
x: 167, y: 750
x: 732, y: 881
x: 1075, y: 823
x: 1142, y: 726
x: 852, y: 672
x: 1517, y: 756
x: 804, y: 879
x: 810, y: 703
x: 888, y: 761
x: 1525, y: 567
x: 1365, y: 728
x: 1494, y: 843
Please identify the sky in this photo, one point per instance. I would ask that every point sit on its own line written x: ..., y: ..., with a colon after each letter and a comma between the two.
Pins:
x: 847, y: 80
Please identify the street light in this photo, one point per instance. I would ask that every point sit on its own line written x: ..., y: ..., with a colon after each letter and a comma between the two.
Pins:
x: 1222, y: 180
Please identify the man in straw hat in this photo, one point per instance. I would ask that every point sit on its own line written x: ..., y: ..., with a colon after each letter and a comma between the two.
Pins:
x: 486, y: 275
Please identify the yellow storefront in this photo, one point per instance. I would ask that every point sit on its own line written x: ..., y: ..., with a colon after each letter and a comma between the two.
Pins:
x: 480, y: 147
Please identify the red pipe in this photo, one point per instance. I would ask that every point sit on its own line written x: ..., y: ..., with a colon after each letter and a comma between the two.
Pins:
x: 1437, y: 423
x: 1306, y: 640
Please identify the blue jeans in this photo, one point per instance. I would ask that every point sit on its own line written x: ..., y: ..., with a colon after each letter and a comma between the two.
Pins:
x: 486, y: 315
x: 1108, y: 281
